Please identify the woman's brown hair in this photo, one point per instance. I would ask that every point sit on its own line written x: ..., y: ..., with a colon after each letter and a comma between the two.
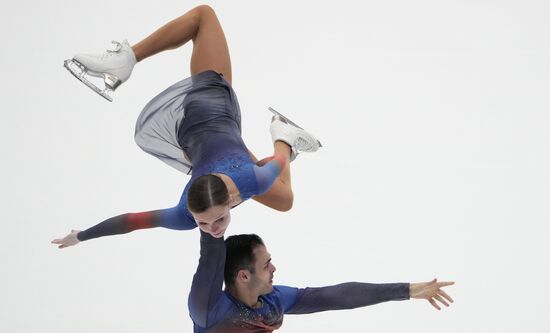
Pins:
x: 205, y: 192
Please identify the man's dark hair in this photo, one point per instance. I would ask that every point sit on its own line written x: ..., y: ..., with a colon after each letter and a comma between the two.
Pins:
x: 205, y: 192
x: 239, y: 255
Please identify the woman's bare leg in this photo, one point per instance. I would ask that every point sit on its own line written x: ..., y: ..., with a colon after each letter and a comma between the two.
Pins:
x: 200, y: 24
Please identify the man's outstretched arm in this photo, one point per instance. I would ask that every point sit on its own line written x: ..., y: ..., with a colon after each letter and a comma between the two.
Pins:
x: 355, y: 294
x: 206, y: 288
x: 349, y: 295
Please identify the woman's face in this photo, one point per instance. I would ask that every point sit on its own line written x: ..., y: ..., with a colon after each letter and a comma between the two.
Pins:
x: 214, y: 220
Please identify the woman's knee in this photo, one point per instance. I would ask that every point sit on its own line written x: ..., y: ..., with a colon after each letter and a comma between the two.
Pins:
x: 204, y: 10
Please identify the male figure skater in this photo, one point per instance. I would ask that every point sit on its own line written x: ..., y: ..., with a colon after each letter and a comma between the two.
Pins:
x: 250, y: 301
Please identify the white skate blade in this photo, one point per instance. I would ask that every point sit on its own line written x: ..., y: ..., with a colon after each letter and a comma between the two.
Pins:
x: 79, y: 71
x: 289, y: 121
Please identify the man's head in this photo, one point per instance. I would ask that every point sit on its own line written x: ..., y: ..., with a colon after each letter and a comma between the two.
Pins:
x: 248, y: 264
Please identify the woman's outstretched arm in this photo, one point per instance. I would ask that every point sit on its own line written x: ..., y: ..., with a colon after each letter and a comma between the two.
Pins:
x: 176, y: 218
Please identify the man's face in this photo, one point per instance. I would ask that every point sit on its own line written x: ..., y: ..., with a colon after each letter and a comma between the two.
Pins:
x: 214, y: 220
x: 261, y: 280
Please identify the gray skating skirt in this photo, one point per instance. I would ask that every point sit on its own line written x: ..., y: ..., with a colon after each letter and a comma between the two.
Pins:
x: 158, y: 124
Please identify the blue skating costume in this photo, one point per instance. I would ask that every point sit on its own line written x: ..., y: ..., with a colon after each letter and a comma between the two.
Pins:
x: 195, y: 127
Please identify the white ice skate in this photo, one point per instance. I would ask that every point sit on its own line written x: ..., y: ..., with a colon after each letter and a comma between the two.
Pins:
x: 113, y: 66
x: 284, y: 129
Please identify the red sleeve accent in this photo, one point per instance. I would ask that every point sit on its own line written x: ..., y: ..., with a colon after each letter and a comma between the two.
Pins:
x: 140, y: 220
x: 281, y: 159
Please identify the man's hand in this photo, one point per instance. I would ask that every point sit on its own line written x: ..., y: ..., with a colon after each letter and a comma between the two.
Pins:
x: 68, y: 240
x: 431, y: 291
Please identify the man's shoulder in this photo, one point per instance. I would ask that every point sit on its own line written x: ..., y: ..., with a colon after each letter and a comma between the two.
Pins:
x: 223, y: 309
x: 281, y: 289
x: 283, y: 295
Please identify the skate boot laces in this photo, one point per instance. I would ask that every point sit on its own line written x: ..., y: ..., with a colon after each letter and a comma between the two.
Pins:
x: 110, y: 53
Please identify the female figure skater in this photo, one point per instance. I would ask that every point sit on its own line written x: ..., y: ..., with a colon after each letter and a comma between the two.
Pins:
x: 196, y: 124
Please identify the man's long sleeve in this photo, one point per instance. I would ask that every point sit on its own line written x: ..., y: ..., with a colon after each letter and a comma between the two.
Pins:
x: 206, y: 288
x: 347, y: 296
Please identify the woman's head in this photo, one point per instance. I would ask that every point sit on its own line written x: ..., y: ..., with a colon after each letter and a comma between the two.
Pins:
x: 208, y: 202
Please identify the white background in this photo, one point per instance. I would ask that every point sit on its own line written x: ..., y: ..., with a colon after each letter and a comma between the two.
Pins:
x: 434, y: 117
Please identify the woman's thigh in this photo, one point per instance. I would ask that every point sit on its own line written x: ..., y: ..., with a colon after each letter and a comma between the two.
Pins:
x: 210, y: 50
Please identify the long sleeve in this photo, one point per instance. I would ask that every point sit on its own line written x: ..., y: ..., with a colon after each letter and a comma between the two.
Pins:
x: 266, y: 174
x: 206, y: 288
x: 346, y: 296
x: 176, y: 218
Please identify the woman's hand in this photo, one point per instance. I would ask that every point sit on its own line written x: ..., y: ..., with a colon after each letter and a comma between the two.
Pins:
x: 68, y: 240
x: 431, y: 291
